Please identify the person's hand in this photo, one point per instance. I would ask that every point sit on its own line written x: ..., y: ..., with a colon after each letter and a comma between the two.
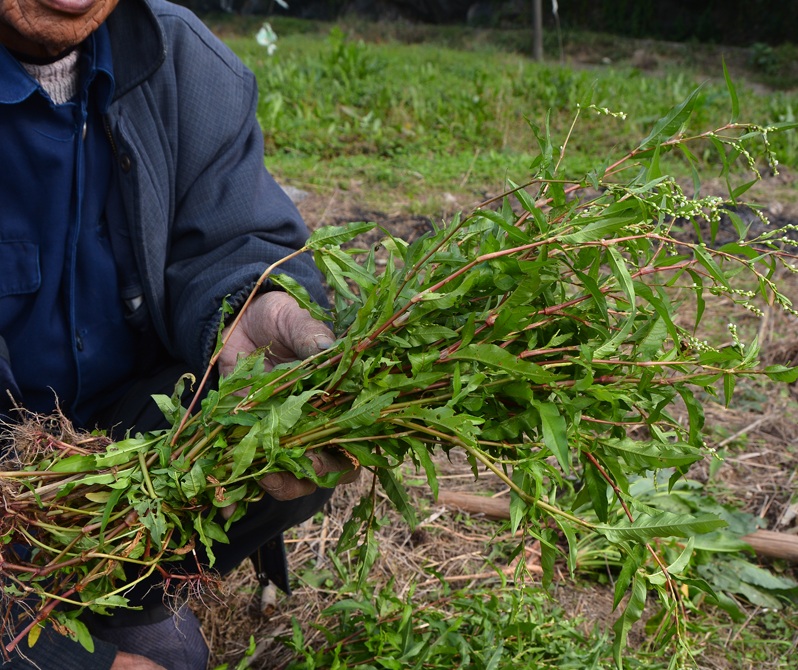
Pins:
x: 125, y: 661
x: 285, y: 486
x: 276, y: 323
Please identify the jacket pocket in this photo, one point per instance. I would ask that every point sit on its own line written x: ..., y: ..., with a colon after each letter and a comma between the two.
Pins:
x: 19, y: 268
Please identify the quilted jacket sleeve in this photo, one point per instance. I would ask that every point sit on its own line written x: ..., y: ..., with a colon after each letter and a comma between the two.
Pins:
x: 207, y: 215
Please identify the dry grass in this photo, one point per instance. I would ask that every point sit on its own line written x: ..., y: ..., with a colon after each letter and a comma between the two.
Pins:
x: 455, y: 545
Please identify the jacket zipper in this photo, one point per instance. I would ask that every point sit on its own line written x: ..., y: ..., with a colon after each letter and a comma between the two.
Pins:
x: 110, y: 136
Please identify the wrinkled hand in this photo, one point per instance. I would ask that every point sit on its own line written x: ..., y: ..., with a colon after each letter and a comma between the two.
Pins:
x: 276, y: 323
x: 124, y: 661
x: 285, y: 486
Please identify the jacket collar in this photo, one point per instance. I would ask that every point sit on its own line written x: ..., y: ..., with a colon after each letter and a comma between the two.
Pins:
x: 138, y: 44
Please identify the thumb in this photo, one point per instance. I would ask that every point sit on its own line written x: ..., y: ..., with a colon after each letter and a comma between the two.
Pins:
x: 297, y: 330
x: 309, y: 337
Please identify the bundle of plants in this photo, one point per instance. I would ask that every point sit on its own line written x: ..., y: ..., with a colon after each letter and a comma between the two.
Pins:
x: 549, y: 339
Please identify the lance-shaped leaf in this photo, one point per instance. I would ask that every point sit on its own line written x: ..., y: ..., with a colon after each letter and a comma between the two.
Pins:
x: 647, y: 526
x: 735, y: 103
x: 555, y: 435
x: 494, y: 356
x: 670, y: 124
x: 300, y: 294
x: 366, y: 411
x: 397, y: 495
x: 337, y: 235
x: 598, y: 228
x: 632, y: 613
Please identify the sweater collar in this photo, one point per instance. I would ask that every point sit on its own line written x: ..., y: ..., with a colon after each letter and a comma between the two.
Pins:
x: 137, y: 43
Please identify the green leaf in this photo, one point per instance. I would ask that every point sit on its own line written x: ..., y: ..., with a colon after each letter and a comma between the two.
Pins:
x: 782, y: 373
x: 598, y: 228
x: 671, y: 124
x: 122, y: 452
x: 728, y: 388
x: 291, y: 409
x: 709, y: 263
x: 110, y: 506
x: 665, y: 524
x: 632, y: 614
x: 621, y: 272
x: 518, y: 506
x: 193, y: 482
x: 631, y: 565
x: 350, y: 269
x: 152, y: 518
x: 79, y: 632
x: 524, y: 198
x: 300, y: 294
x: 677, y: 567
x: 244, y: 451
x: 494, y: 356
x: 516, y: 235
x: 365, y: 412
x: 651, y: 345
x: 597, y: 488
x: 74, y: 464
x: 422, y: 453
x: 548, y: 555
x: 554, y: 433
x: 695, y: 414
x: 737, y: 192
x: 735, y: 103
x: 365, y: 454
x: 335, y: 235
x: 397, y: 495
x: 700, y: 302
x: 691, y: 161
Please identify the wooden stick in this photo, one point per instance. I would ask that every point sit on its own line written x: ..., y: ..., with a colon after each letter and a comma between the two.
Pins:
x: 492, y: 508
x: 767, y: 543
x: 774, y: 545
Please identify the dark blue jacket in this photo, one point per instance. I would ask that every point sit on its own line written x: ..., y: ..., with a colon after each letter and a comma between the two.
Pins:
x: 202, y: 216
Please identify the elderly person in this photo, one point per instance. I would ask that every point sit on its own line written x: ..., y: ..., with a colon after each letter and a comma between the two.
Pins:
x: 133, y: 199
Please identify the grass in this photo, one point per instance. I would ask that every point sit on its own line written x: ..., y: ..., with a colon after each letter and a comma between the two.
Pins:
x: 416, y: 118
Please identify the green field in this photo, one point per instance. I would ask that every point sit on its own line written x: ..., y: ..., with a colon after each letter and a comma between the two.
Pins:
x: 419, y: 118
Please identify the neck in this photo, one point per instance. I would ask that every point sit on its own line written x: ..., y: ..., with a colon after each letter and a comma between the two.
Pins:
x: 39, y: 60
x: 27, y: 49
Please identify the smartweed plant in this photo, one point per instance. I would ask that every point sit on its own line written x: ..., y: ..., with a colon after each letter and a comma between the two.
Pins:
x: 539, y: 337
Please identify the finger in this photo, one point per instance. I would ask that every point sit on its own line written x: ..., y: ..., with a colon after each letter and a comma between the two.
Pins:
x: 325, y: 462
x: 290, y: 327
x: 228, y: 510
x: 310, y: 337
x: 285, y: 486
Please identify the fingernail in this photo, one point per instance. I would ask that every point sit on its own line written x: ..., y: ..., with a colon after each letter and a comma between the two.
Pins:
x: 323, y: 341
